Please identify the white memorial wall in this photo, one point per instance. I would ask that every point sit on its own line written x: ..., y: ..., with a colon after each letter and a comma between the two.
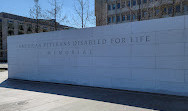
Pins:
x: 149, y: 56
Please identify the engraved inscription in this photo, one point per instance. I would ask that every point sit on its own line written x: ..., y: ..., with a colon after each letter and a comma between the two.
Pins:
x: 62, y: 46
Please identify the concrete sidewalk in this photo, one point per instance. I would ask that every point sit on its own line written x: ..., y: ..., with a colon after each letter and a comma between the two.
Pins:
x: 18, y: 95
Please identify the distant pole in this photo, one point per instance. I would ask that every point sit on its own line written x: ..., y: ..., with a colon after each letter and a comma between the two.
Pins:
x: 37, y: 15
x: 82, y: 4
x: 139, y: 10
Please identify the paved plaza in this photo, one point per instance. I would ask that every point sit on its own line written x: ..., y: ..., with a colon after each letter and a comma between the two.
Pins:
x: 3, y: 66
x: 18, y: 95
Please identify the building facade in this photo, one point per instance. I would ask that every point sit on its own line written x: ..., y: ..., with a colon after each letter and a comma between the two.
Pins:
x: 16, y: 25
x: 120, y: 11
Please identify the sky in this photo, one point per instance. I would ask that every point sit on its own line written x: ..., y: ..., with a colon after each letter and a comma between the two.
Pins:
x: 22, y: 7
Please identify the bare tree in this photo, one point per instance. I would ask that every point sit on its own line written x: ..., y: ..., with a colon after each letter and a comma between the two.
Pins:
x: 138, y: 14
x: 83, y: 13
x: 56, y: 12
x: 139, y: 10
x: 36, y: 13
x: 154, y: 8
x: 175, y: 8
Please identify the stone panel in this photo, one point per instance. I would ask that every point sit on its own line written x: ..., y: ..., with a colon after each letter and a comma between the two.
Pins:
x: 171, y: 49
x: 186, y: 22
x: 170, y: 75
x: 144, y: 74
x: 176, y: 62
x: 171, y: 36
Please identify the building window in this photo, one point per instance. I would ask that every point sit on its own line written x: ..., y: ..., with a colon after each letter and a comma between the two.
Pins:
x: 123, y: 17
x: 52, y: 29
x: 29, y: 28
x: 114, y: 6
x: 134, y: 2
x: 45, y: 29
x: 118, y: 5
x: 10, y: 25
x: 109, y: 19
x: 165, y: 10
x: 170, y: 10
x: 157, y: 11
x: 178, y: 10
x: 123, y: 4
x: 138, y: 2
x: 128, y: 17
x: 109, y: 7
x: 134, y: 17
x: 128, y: 3
x: 114, y: 19
x: 144, y: 1
x: 20, y: 27
x: 150, y: 14
x: 10, y: 28
x: 10, y: 32
x: 118, y: 18
x: 145, y: 14
x: 37, y: 29
x: 185, y: 8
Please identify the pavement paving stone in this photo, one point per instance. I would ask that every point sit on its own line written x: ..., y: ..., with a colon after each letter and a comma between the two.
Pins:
x: 19, y: 95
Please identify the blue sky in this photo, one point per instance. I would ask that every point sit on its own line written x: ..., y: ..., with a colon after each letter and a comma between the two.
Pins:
x: 22, y: 7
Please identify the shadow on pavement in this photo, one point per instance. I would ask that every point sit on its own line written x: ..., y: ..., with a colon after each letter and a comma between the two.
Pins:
x: 136, y: 99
